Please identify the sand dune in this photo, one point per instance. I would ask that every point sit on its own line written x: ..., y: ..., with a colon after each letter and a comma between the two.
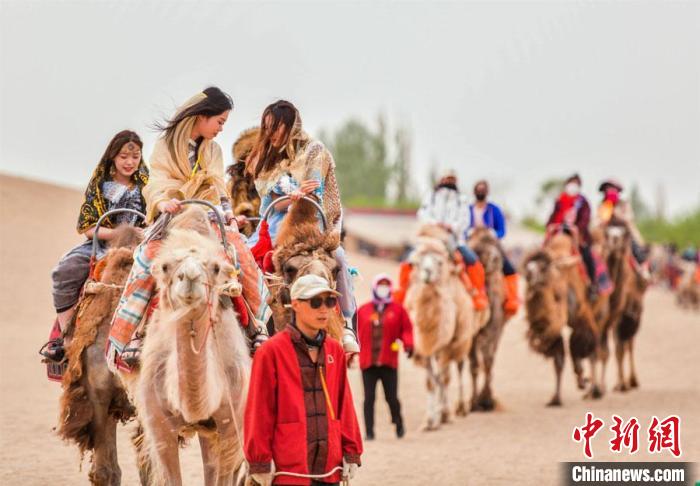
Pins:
x: 522, y: 443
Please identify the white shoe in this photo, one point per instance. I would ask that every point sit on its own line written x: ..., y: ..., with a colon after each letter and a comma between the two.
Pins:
x: 349, y: 341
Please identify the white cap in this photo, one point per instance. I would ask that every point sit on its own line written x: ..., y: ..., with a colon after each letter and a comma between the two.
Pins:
x: 309, y: 286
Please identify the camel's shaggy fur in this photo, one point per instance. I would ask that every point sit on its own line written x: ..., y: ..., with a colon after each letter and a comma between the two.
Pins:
x: 302, y: 248
x: 444, y: 320
x: 181, y: 389
x: 483, y: 351
x: 93, y: 401
x: 626, y: 301
x: 556, y: 297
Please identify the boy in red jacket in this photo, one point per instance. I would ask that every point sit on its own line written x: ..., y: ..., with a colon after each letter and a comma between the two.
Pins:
x: 382, y: 322
x: 299, y: 412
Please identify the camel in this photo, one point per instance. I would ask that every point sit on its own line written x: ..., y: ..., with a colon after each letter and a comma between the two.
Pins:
x: 556, y: 297
x: 93, y: 400
x: 195, y: 363
x: 486, y: 341
x: 241, y: 187
x: 688, y: 292
x: 444, y: 319
x: 626, y: 301
x: 302, y: 249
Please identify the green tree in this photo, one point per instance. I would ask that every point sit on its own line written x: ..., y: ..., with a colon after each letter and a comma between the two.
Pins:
x: 360, y: 156
x: 402, y: 165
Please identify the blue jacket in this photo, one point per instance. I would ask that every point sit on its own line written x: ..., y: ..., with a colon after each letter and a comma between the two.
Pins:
x: 493, y: 218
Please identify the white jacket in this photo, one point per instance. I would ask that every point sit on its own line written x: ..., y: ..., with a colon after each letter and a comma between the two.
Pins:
x: 446, y: 206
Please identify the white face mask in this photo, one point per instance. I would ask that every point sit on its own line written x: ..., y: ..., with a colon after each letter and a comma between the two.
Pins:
x: 572, y: 189
x: 383, y: 291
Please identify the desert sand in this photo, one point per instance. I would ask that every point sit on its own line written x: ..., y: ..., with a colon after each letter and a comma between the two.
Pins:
x: 522, y: 442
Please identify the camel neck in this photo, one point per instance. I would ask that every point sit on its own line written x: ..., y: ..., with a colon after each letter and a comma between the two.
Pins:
x: 192, y: 366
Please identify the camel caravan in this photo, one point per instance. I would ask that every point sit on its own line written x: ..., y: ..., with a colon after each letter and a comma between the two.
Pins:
x: 227, y: 312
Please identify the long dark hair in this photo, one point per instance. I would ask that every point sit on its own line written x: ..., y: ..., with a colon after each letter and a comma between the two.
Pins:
x: 214, y: 103
x: 278, y: 113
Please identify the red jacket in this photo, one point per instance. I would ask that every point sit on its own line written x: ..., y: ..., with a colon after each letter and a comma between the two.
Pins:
x: 395, y: 325
x: 275, y: 424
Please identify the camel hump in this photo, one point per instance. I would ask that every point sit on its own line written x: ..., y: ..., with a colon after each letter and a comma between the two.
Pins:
x: 126, y: 236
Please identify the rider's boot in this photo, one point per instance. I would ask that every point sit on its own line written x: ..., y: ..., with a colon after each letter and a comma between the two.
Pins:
x: 511, y: 303
x: 405, y: 269
x: 477, y: 276
x: 349, y: 339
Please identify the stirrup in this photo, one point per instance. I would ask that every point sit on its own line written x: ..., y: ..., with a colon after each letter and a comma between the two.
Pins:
x: 131, y: 355
x: 54, y: 351
x: 258, y: 339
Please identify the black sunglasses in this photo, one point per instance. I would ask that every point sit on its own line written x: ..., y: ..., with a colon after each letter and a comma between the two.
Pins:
x: 316, y: 302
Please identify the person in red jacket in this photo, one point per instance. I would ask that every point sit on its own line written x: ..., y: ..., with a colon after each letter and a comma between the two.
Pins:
x: 299, y: 412
x: 381, y: 323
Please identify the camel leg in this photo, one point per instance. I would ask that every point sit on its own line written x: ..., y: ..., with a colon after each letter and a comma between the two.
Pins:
x: 105, y: 467
x: 209, y: 459
x: 461, y: 410
x: 578, y: 370
x: 594, y: 391
x: 162, y: 439
x: 486, y: 401
x: 142, y: 460
x: 558, y: 367
x: 619, y: 356
x: 474, y: 368
x: 604, y: 354
x: 633, y: 372
x: 432, y: 421
x: 230, y: 456
x: 444, y: 402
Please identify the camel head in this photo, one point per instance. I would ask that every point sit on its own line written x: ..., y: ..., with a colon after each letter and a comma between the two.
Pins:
x: 537, y: 269
x: 430, y: 260
x: 189, y: 268
x: 617, y: 237
x: 486, y: 247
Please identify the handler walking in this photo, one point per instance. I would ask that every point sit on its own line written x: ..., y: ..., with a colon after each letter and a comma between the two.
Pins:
x: 381, y: 324
x: 299, y: 413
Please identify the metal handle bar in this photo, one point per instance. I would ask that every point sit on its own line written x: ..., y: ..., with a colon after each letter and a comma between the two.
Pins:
x: 306, y: 198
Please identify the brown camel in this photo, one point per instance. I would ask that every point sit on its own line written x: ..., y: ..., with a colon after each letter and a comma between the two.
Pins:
x: 444, y: 319
x: 195, y: 363
x: 93, y: 401
x: 241, y: 186
x: 626, y: 301
x: 302, y: 249
x: 688, y: 292
x: 483, y: 351
x: 556, y: 297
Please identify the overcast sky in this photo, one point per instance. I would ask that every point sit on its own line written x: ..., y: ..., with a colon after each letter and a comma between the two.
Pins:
x: 512, y: 91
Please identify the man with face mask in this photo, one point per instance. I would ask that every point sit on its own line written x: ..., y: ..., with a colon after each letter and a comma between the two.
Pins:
x: 381, y: 323
x: 485, y: 214
x: 572, y: 209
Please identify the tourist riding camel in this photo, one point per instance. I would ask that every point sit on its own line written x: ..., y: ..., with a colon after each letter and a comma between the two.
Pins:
x: 614, y: 207
x: 572, y: 213
x: 186, y: 164
x: 116, y: 183
x: 447, y: 208
x: 300, y: 425
x: 485, y: 214
x: 286, y: 161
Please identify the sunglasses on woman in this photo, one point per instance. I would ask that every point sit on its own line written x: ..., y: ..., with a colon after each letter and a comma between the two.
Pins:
x: 317, y: 302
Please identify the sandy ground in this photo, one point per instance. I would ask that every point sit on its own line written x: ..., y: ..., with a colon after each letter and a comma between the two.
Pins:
x: 523, y: 442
